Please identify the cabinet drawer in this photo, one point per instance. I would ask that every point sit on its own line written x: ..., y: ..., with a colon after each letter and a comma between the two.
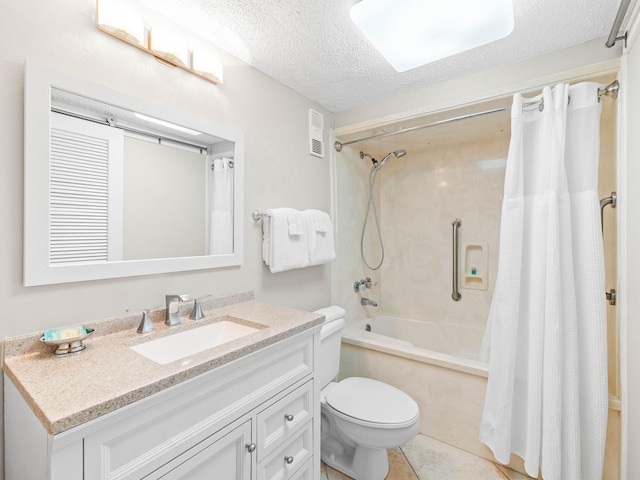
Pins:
x: 283, y: 419
x: 305, y: 473
x: 294, y: 453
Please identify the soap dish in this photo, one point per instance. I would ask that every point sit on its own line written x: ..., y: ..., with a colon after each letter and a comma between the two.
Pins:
x: 69, y: 345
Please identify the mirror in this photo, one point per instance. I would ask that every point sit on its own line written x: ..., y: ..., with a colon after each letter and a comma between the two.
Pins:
x: 118, y: 186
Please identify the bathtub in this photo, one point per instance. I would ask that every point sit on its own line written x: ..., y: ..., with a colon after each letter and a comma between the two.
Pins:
x: 449, y: 346
x: 437, y: 365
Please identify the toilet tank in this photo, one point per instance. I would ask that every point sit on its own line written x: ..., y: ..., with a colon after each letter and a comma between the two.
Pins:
x: 330, y: 339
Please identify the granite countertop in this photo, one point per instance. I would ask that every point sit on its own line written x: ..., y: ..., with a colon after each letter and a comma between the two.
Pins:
x: 65, y: 391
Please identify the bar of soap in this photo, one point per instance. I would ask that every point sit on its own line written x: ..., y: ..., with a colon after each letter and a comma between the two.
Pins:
x: 64, y: 333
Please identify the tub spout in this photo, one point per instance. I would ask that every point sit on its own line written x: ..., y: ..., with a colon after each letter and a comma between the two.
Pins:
x: 366, y: 301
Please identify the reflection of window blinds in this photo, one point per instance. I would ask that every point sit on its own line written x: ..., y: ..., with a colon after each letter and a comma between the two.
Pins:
x: 79, y: 195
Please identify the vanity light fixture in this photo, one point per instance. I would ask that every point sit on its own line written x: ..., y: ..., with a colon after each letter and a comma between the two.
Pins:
x: 163, y: 123
x: 120, y: 21
x: 411, y: 33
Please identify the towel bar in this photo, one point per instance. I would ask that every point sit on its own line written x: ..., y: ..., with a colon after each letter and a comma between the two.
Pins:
x: 257, y: 215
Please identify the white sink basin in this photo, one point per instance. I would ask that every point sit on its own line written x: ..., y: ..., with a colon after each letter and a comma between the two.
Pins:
x: 179, y: 345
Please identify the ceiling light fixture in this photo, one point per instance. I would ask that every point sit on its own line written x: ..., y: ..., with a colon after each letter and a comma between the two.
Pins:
x: 411, y: 33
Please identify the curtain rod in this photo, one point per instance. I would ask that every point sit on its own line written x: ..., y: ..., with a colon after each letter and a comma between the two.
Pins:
x: 610, y: 90
x: 613, y: 35
x: 114, y: 124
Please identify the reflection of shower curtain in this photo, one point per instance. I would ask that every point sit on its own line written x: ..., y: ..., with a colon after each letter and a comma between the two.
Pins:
x: 221, y: 235
x: 546, y: 397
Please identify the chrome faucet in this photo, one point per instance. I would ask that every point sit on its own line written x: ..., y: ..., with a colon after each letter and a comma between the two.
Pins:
x: 172, y: 313
x: 366, y: 301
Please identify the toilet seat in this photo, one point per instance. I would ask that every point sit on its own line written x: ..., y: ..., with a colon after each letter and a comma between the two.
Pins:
x: 370, y: 402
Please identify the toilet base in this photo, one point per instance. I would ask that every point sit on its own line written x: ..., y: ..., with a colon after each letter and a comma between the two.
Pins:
x: 366, y: 464
x: 370, y: 463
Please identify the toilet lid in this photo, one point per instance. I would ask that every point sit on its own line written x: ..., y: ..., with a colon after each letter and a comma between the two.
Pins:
x: 372, y: 401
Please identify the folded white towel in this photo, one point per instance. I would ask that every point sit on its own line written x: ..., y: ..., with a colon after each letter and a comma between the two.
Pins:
x: 285, y: 250
x: 266, y: 239
x: 320, y: 232
x: 321, y: 221
x: 296, y: 222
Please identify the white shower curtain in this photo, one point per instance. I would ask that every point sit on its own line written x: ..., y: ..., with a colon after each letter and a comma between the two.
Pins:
x: 547, y: 398
x: 221, y: 232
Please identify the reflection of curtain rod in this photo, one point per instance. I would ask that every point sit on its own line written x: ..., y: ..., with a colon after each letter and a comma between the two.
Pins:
x: 111, y: 122
x: 610, y: 90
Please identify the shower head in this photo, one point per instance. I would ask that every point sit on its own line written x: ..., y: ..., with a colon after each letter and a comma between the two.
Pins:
x: 397, y: 154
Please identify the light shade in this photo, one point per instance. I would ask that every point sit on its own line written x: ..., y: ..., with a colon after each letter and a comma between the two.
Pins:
x: 120, y: 22
x: 411, y: 33
x: 207, y: 64
x: 169, y: 46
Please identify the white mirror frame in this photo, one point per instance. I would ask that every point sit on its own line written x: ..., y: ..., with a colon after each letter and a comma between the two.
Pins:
x: 39, y: 80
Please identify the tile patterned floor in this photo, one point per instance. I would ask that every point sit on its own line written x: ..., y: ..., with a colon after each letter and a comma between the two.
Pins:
x: 425, y: 458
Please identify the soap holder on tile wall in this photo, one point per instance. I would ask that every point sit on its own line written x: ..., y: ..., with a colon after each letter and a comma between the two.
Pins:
x: 475, y: 274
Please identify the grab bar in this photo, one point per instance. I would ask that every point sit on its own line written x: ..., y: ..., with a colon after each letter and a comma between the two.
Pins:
x: 456, y: 224
x: 612, y: 200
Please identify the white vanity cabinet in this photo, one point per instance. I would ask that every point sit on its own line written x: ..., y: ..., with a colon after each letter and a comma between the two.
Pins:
x: 255, y: 418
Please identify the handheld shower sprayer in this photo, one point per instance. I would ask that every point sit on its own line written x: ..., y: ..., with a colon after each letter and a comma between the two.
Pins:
x: 371, y: 206
x: 397, y: 154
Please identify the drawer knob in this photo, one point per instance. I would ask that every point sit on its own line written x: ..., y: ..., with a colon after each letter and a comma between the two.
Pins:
x: 289, y: 460
x: 251, y: 447
x: 288, y: 417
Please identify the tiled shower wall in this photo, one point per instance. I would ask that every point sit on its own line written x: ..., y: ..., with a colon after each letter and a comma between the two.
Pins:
x: 419, y: 198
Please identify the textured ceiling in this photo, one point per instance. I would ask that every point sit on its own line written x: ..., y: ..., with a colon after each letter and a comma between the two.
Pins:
x: 313, y: 47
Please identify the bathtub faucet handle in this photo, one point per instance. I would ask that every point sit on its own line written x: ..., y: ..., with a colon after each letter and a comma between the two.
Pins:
x: 366, y: 283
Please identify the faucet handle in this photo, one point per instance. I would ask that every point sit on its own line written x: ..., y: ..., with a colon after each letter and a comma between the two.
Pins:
x: 365, y: 282
x: 196, y: 312
x: 146, y: 324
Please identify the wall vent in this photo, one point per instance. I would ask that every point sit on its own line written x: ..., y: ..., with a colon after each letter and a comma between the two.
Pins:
x: 316, y: 126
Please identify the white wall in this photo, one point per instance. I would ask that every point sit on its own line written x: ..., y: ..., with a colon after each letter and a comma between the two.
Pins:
x: 279, y: 171
x: 351, y: 194
x: 631, y: 209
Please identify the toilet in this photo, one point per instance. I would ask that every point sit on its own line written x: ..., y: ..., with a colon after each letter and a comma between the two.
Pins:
x: 361, y: 418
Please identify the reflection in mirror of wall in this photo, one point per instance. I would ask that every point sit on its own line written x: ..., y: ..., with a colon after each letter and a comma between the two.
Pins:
x: 117, y: 186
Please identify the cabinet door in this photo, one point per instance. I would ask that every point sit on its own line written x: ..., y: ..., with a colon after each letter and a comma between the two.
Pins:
x: 215, y: 458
